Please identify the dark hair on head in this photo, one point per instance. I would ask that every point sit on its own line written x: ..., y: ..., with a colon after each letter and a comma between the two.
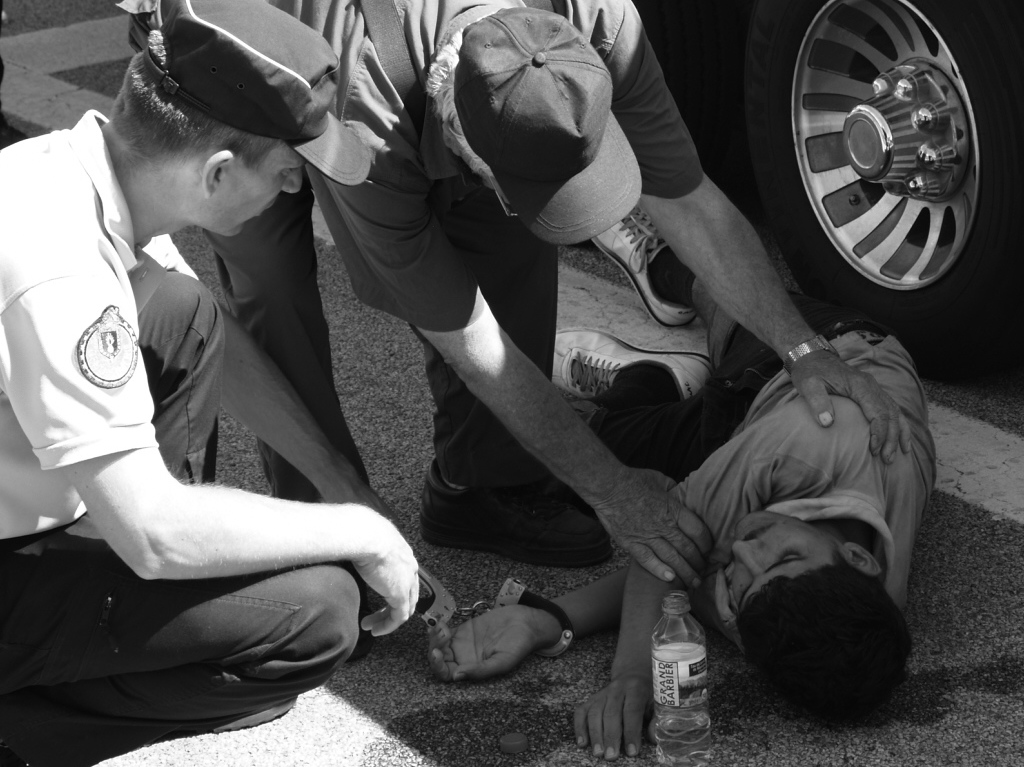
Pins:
x: 831, y: 640
x: 155, y: 125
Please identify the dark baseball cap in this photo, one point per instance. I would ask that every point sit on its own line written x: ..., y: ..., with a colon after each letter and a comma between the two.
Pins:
x: 534, y: 99
x: 256, y: 68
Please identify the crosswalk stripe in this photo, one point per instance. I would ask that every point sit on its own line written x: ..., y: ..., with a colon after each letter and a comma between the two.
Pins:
x: 61, y: 48
x: 978, y: 463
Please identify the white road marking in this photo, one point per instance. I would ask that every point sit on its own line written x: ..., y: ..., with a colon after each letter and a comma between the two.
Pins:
x: 978, y: 463
x: 62, y: 48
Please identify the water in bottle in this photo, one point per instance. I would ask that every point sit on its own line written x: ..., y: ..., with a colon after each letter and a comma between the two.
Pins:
x: 682, y: 724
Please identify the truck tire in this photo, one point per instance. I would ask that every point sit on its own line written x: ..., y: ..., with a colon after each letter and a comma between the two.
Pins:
x: 935, y: 254
x: 699, y: 44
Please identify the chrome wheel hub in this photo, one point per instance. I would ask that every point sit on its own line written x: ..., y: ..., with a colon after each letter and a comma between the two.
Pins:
x: 911, y: 136
x: 885, y: 140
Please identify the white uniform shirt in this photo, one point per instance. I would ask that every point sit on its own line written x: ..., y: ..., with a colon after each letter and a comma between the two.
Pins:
x: 72, y: 383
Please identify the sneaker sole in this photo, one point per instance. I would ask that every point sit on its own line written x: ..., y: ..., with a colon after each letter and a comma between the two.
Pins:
x: 684, y: 319
x: 454, y: 538
x: 705, y: 358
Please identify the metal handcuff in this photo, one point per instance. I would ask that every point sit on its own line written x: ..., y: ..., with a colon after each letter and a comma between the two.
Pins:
x: 436, y: 605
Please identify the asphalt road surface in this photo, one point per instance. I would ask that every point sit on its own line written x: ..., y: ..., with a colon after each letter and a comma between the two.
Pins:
x: 962, y: 704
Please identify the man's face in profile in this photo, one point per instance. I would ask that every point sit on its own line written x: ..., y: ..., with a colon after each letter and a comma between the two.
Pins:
x: 769, y: 545
x: 243, y: 192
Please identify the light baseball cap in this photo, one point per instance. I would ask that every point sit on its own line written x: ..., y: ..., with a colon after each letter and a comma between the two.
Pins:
x: 534, y: 99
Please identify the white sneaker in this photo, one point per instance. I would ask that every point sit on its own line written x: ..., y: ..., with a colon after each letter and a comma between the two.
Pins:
x: 586, y: 362
x: 632, y: 244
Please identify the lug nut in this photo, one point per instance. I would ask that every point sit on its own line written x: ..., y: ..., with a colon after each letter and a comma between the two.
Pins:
x: 936, y: 157
x: 924, y: 185
x: 905, y: 89
x: 923, y: 118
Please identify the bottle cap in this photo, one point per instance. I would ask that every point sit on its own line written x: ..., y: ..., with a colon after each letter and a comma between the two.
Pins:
x: 514, y: 743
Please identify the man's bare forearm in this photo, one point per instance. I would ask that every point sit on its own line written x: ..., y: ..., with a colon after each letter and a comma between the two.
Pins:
x: 164, y: 529
x: 719, y: 245
x: 633, y: 504
x: 641, y: 609
x: 531, y: 408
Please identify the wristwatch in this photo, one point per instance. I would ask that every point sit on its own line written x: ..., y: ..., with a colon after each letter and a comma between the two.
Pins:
x: 817, y: 344
x: 514, y: 592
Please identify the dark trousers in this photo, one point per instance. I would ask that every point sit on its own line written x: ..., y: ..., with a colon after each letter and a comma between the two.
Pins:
x: 95, y: 661
x: 269, y: 276
x: 676, y: 437
x: 518, y: 276
x: 268, y: 273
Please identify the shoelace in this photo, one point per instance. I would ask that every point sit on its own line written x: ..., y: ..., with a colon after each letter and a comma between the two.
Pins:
x: 647, y: 243
x: 591, y: 375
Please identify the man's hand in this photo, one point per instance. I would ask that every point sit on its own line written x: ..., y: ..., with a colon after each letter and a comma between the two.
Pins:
x: 820, y: 373
x: 490, y: 644
x: 614, y: 717
x: 665, y: 538
x: 392, y: 573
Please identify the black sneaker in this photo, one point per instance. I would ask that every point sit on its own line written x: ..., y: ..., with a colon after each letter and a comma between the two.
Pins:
x: 522, y: 523
x: 8, y: 758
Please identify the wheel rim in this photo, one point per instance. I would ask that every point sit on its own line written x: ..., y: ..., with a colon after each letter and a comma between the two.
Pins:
x: 885, y: 140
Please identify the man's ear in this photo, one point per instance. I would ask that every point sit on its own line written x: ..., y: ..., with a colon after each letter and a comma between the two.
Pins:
x: 215, y: 168
x: 860, y: 558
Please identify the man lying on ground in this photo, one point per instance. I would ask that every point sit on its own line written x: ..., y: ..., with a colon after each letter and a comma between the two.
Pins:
x: 813, y: 534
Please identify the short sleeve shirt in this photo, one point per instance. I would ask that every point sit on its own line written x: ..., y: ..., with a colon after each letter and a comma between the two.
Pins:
x: 387, y: 229
x: 72, y: 383
x: 781, y: 460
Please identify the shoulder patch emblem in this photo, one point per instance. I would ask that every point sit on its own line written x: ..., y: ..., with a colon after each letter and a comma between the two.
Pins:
x: 108, y: 350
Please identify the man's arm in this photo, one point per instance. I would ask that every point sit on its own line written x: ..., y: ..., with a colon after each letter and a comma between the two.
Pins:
x: 712, y: 237
x: 613, y: 716
x: 163, y: 529
x: 498, y: 641
x: 633, y: 504
x: 262, y: 399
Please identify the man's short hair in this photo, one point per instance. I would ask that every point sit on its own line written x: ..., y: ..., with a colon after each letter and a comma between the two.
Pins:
x: 440, y: 87
x: 156, y: 126
x: 831, y: 640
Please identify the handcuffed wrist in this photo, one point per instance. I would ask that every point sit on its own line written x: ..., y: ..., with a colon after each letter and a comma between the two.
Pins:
x: 514, y: 592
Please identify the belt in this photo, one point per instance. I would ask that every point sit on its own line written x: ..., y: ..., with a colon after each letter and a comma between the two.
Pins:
x: 864, y: 329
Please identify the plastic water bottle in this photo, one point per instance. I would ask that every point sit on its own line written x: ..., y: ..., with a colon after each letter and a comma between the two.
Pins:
x: 682, y: 724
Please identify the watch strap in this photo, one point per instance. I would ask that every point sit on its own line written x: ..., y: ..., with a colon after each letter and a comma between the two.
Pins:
x: 817, y: 344
x: 514, y: 591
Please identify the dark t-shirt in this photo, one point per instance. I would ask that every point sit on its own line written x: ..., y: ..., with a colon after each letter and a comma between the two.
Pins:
x: 387, y: 230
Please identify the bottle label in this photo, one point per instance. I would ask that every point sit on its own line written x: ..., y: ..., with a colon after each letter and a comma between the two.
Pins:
x: 680, y: 683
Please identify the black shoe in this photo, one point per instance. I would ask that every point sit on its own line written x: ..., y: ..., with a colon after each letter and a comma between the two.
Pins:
x: 8, y: 758
x: 260, y: 717
x: 522, y: 523
x: 9, y: 134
